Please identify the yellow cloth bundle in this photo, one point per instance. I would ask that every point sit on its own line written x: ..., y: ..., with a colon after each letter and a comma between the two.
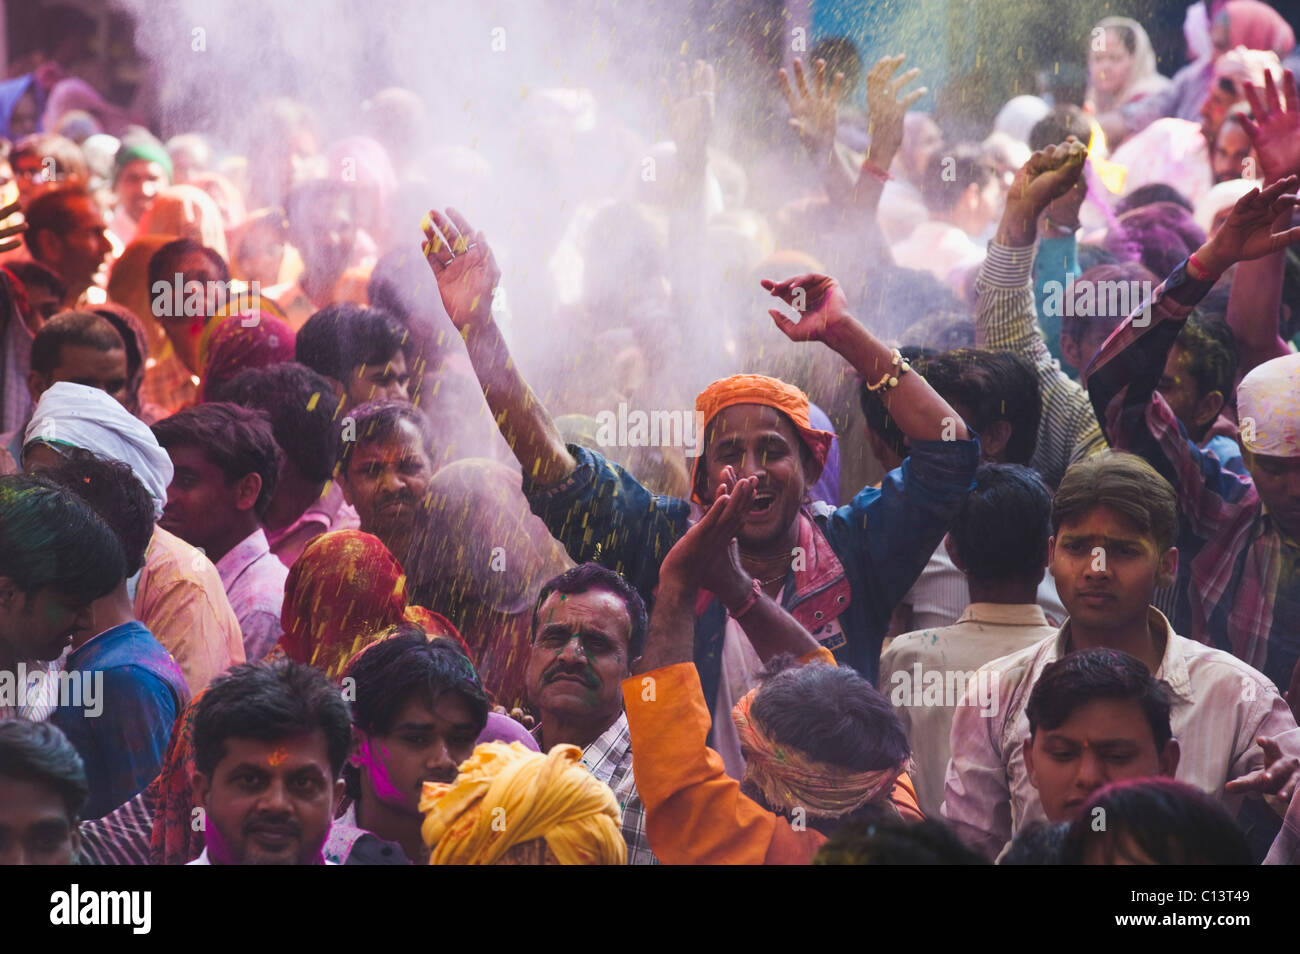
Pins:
x: 506, y: 795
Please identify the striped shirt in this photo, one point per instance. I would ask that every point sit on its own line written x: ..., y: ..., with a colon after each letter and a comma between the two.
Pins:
x: 122, y: 836
x: 1220, y: 706
x: 1005, y: 320
x: 1236, y: 571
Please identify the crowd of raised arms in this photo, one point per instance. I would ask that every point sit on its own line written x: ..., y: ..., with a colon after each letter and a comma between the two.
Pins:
x: 315, y: 548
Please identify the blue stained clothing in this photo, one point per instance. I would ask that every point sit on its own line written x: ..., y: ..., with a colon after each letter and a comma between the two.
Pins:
x: 879, y: 542
x: 121, y: 726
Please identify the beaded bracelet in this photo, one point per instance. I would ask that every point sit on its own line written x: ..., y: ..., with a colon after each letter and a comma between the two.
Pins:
x: 890, y: 379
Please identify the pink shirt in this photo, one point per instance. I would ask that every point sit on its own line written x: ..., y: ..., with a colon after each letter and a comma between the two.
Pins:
x: 254, y: 581
x: 329, y: 512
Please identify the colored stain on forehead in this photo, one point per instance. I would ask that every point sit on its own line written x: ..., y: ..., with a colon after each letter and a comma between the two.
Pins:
x: 278, y: 757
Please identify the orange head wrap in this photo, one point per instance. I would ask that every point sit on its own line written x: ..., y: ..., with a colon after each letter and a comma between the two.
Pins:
x: 769, y: 392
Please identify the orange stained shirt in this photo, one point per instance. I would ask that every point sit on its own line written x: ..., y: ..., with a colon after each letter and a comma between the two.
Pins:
x: 180, y: 599
x: 695, y: 812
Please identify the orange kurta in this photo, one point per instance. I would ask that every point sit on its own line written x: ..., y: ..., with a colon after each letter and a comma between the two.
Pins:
x: 695, y: 812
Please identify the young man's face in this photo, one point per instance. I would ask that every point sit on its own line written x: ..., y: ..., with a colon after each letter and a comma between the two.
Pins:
x: 269, y: 803
x: 201, y: 503
x: 138, y: 184
x: 34, y: 825
x: 1103, y: 741
x: 379, y: 382
x: 1231, y: 149
x: 1105, y: 570
x: 79, y: 253
x: 42, y: 624
x: 580, y: 657
x: 1278, y: 481
x: 387, y: 481
x: 81, y: 364
x: 424, y: 745
x: 760, y: 441
x: 1181, y: 392
x: 184, y: 327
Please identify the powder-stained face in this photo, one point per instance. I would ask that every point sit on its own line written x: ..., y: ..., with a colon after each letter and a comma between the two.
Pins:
x: 34, y: 825
x: 201, y: 503
x: 758, y: 441
x: 1108, y: 68
x: 386, y: 381
x: 424, y: 745
x: 580, y: 657
x: 387, y: 481
x: 1277, y: 479
x: 269, y: 803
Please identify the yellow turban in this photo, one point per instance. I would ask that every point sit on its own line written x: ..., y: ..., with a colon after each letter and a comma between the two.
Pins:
x: 506, y: 795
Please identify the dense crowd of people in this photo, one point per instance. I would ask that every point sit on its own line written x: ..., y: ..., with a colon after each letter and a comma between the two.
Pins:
x: 315, y: 548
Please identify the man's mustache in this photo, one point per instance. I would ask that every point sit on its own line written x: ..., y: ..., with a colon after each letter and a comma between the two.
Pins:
x: 556, y: 671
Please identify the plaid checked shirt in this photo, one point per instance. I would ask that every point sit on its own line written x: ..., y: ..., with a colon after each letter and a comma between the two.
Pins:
x: 609, y: 758
x: 1232, y: 560
x: 1005, y: 320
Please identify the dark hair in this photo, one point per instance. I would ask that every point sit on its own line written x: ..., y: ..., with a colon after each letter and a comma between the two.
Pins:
x: 406, y: 661
x: 238, y: 440
x: 341, y: 337
x: 1038, y: 843
x: 941, y: 331
x: 1090, y: 256
x: 1212, y: 348
x: 301, y: 406
x: 947, y: 177
x: 593, y: 576
x: 1061, y: 122
x: 1170, y: 822
x: 1159, y: 236
x: 831, y: 714
x: 1002, y: 528
x: 1150, y: 194
x: 49, y: 537
x: 38, y: 752
x: 33, y: 274
x: 1128, y: 485
x: 893, y: 841
x: 1079, y: 678
x: 993, y: 386
x: 115, y: 493
x: 1107, y: 310
x: 77, y: 328
x: 381, y: 420
x: 269, y: 702
x: 165, y: 263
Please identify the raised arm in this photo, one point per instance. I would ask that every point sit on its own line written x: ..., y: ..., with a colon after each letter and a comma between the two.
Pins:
x: 921, y: 414
x: 1255, y: 304
x: 813, y: 114
x: 467, y: 275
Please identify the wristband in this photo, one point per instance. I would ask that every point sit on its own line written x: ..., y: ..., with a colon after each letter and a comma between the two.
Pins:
x: 750, y: 600
x: 1199, y: 271
x: 875, y: 171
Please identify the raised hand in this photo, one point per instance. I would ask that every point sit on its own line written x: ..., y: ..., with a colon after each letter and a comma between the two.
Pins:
x: 690, y: 111
x: 813, y: 114
x: 887, y: 108
x: 463, y: 265
x: 1279, y: 776
x: 1275, y: 131
x: 7, y: 244
x: 1248, y: 233
x: 1048, y: 175
x: 707, y: 554
x: 824, y: 311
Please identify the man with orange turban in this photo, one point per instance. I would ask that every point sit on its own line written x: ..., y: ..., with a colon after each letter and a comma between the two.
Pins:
x: 510, y: 805
x: 839, y: 572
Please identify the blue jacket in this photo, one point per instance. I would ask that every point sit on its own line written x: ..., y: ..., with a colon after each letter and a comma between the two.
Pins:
x: 859, y: 559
